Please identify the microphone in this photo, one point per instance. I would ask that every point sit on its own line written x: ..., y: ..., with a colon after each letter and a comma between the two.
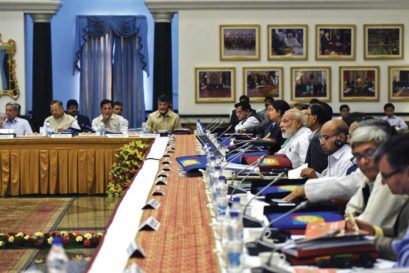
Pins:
x: 212, y: 122
x: 228, y: 128
x: 237, y: 148
x: 220, y: 124
x: 237, y: 155
x: 255, y: 163
x: 251, y: 220
x: 261, y: 245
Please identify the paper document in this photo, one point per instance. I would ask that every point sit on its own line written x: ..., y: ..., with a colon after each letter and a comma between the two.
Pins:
x: 295, y: 173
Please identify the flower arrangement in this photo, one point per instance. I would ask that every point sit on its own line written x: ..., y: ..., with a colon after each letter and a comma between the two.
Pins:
x: 128, y: 160
x: 44, y: 240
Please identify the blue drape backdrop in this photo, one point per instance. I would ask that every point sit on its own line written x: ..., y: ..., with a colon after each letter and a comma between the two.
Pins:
x: 111, y: 55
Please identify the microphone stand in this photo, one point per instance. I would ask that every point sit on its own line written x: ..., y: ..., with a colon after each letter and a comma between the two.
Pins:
x: 228, y: 128
x: 237, y: 155
x: 220, y: 124
x: 235, y: 188
x: 214, y: 124
x: 260, y: 244
x: 211, y: 123
x: 249, y: 221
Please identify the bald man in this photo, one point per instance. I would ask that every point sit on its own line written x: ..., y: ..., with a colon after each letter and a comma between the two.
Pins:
x: 333, y: 141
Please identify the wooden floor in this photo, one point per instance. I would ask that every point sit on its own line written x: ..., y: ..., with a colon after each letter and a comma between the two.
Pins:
x: 81, y: 214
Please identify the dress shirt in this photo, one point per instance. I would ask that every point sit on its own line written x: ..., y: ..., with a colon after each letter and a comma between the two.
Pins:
x: 248, y: 122
x: 339, y: 162
x: 169, y: 122
x: 383, y: 206
x: 396, y: 122
x: 327, y: 188
x: 295, y: 148
x: 402, y: 249
x: 20, y: 126
x: 115, y: 123
x: 64, y: 122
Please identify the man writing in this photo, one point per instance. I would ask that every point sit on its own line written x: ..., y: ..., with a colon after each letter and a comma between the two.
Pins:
x: 83, y: 121
x: 163, y: 118
x: 20, y: 126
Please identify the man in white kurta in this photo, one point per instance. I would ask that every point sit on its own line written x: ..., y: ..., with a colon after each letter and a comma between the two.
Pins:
x: 60, y: 121
x: 297, y: 137
x: 112, y: 122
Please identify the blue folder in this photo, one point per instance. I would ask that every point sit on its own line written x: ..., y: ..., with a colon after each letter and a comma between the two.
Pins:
x: 192, y: 163
x: 299, y: 220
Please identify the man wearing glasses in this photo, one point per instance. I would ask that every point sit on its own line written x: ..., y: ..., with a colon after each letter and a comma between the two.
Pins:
x: 333, y: 141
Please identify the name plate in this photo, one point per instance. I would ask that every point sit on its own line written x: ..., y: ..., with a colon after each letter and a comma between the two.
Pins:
x: 152, y: 204
x: 135, y: 250
x: 166, y: 155
x: 161, y: 181
x: 116, y: 136
x: 61, y: 135
x: 134, y: 268
x: 166, y: 169
x: 159, y: 191
x: 163, y: 173
x: 167, y: 161
x: 7, y: 135
x: 150, y: 224
x: 149, y: 135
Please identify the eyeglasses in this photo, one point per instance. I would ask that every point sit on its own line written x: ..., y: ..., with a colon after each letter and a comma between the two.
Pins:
x: 367, y: 154
x: 386, y: 176
x: 326, y: 137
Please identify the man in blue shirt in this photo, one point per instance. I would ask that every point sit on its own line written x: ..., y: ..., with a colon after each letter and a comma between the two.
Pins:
x: 393, y: 161
x: 20, y: 126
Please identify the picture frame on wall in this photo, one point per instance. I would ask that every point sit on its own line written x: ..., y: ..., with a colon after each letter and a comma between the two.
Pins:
x: 398, y: 83
x: 215, y: 84
x: 335, y: 42
x: 287, y: 42
x: 383, y: 41
x: 239, y: 42
x: 260, y: 82
x: 359, y: 83
x: 308, y: 82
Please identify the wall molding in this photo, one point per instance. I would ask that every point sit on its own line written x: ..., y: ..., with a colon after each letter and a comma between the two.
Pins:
x: 31, y: 6
x: 176, y: 5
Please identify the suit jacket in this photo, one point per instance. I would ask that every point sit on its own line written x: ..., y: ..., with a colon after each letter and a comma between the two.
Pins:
x: 384, y: 244
x: 316, y: 158
x: 83, y: 122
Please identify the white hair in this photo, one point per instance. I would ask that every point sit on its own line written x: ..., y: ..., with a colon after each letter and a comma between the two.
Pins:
x: 366, y: 134
x: 298, y: 115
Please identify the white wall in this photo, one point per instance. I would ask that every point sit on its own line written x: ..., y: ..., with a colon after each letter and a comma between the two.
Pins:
x: 12, y: 27
x: 199, y: 47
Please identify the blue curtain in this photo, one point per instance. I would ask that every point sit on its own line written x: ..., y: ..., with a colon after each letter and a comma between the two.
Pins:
x: 111, y: 56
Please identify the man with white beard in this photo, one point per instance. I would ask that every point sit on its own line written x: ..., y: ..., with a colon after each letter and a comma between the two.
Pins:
x: 297, y: 137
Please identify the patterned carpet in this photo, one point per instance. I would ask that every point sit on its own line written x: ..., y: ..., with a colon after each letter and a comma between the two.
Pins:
x: 27, y: 215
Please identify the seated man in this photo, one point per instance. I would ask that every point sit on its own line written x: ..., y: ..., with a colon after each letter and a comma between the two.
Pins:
x: 83, y: 121
x: 333, y: 141
x: 397, y: 122
x: 233, y: 117
x: 262, y: 114
x: 59, y: 120
x: 163, y: 118
x: 343, y: 188
x: 245, y: 117
x: 20, y: 126
x: 297, y: 137
x: 118, y: 108
x: 112, y: 122
x: 381, y: 200
x: 393, y: 161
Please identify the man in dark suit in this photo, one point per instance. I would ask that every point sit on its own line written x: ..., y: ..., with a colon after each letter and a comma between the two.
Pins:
x: 317, y: 115
x: 83, y: 121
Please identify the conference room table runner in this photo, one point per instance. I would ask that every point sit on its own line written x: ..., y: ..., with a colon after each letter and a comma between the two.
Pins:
x: 184, y: 241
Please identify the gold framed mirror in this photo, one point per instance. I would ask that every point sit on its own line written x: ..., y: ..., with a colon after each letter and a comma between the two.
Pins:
x: 8, y: 79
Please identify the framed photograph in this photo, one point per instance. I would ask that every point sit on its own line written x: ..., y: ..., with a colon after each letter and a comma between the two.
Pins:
x: 215, y: 84
x: 383, y: 42
x: 239, y: 42
x: 311, y: 82
x: 287, y: 42
x: 359, y: 83
x: 260, y: 82
x: 398, y: 83
x: 335, y: 42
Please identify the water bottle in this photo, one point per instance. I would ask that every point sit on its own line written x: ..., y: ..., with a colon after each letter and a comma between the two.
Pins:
x: 101, y: 129
x: 47, y: 128
x: 234, y: 243
x: 144, y: 131
x: 237, y: 207
x: 57, y: 260
x: 214, y: 177
x: 221, y: 197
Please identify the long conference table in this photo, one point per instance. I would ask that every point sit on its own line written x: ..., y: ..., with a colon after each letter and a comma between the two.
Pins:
x: 41, y: 165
